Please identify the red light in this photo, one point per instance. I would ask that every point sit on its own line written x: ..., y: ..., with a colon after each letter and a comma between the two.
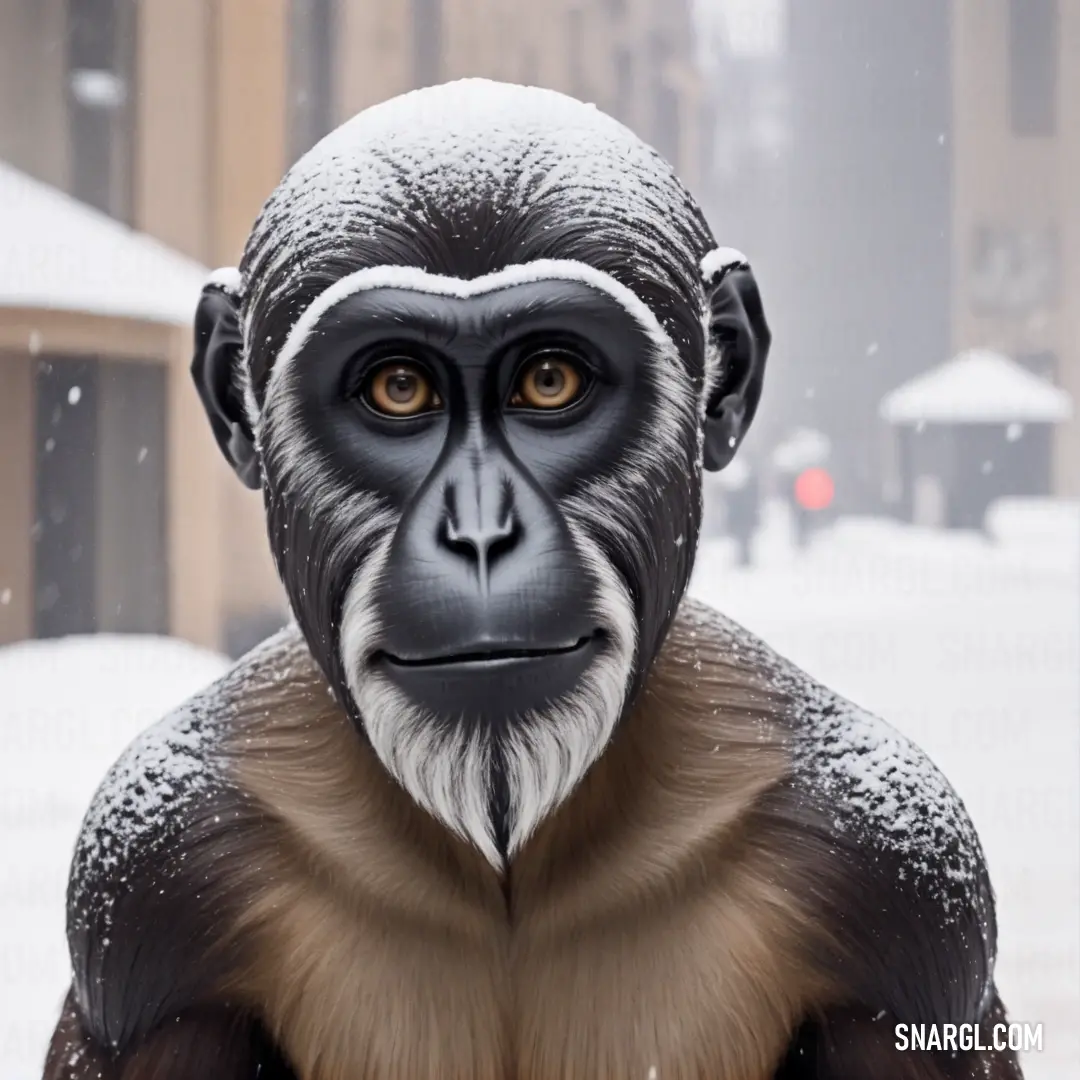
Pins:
x: 814, y: 489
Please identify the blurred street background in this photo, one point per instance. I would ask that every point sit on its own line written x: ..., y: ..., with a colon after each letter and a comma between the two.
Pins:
x: 903, y: 521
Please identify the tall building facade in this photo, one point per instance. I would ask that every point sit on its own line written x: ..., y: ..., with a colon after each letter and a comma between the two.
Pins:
x: 178, y: 117
x: 744, y: 48
x: 1015, y: 208
x: 861, y: 284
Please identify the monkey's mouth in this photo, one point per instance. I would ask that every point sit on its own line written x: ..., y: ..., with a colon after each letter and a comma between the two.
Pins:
x: 486, y: 655
x: 491, y: 681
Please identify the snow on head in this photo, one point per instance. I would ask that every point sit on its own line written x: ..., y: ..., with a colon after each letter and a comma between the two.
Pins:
x: 226, y: 278
x: 722, y: 258
x: 469, y: 159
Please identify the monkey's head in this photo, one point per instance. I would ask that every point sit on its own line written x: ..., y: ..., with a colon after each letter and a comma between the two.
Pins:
x: 480, y: 347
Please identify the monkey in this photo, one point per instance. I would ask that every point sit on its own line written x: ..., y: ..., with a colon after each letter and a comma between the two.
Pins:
x: 502, y: 801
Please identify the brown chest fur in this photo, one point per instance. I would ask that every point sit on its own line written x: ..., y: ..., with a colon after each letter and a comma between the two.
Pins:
x: 647, y: 926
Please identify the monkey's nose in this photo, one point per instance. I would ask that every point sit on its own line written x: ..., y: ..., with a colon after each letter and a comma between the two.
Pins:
x: 482, y: 542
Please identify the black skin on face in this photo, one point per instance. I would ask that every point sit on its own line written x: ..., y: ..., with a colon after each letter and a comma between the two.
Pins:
x: 482, y: 559
x: 437, y: 405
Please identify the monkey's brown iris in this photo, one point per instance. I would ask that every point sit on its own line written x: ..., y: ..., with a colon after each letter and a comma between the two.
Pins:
x: 548, y: 382
x: 399, y: 389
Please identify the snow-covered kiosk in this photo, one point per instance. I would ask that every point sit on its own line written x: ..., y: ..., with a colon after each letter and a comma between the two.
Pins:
x: 973, y: 430
x: 109, y: 480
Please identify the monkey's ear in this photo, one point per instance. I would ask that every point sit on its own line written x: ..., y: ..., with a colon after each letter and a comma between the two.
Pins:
x: 737, y: 328
x: 216, y: 369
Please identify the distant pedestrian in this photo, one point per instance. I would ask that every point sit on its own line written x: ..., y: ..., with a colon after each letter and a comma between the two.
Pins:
x: 742, y: 507
x: 805, y: 483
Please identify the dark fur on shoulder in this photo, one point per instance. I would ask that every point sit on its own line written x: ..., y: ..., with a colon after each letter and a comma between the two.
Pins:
x: 158, y: 871
x: 197, y: 1045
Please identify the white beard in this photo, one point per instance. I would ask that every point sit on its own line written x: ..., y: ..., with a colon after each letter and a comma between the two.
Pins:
x: 445, y: 764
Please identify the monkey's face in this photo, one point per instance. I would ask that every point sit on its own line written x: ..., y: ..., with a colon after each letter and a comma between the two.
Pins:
x: 488, y: 490
x: 482, y: 482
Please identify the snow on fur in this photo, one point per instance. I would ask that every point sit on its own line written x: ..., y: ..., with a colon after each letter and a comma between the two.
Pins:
x: 163, y: 771
x: 454, y: 146
x: 886, y: 791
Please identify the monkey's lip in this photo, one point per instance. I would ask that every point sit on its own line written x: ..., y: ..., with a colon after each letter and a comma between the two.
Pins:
x: 486, y: 654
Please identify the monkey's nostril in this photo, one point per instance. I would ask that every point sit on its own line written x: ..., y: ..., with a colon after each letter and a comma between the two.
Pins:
x: 482, y: 544
x: 505, y: 539
x: 461, y: 541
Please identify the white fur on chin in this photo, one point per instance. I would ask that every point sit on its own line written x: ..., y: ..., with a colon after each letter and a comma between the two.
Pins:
x: 446, y: 768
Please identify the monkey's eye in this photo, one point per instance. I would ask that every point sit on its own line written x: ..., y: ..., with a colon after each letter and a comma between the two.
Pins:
x: 552, y: 380
x: 401, y: 389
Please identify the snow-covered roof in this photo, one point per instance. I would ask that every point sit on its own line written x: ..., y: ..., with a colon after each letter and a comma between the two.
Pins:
x: 61, y: 254
x: 977, y: 387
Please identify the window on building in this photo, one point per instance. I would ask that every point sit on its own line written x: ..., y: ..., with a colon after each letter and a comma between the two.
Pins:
x: 100, y: 71
x: 132, y: 591
x: 1033, y: 66
x: 312, y: 73
x: 427, y: 42
x: 65, y: 525
x: 100, y: 548
x: 1014, y: 271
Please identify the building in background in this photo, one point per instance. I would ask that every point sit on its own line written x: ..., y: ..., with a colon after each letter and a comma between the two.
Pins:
x: 859, y: 288
x: 903, y: 177
x: 177, y: 118
x: 107, y: 515
x: 1015, y: 208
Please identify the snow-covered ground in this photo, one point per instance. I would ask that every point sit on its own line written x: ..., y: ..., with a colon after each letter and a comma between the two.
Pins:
x: 971, y: 648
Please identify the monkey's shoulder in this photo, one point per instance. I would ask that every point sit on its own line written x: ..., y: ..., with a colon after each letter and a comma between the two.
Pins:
x: 907, y: 890
x: 149, y: 889
x: 870, y: 787
x: 878, y: 835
